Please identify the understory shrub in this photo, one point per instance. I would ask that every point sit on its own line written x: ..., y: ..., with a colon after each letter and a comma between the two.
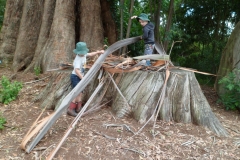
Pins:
x: 231, y: 97
x: 2, y: 122
x: 9, y: 90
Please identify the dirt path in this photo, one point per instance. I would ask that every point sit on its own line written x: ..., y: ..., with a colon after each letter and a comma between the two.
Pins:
x: 91, y: 139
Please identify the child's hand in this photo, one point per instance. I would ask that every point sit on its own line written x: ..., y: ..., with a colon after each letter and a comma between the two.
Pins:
x: 133, y: 17
x: 101, y: 51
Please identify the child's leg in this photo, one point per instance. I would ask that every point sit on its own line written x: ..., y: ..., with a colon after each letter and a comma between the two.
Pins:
x: 148, y: 51
x: 78, y: 99
x: 73, y: 105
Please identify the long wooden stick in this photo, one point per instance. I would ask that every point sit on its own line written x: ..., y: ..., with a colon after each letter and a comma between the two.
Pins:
x: 74, y: 122
x: 119, y: 91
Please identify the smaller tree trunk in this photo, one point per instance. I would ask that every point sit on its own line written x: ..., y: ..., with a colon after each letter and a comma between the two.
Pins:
x: 121, y: 7
x: 168, y: 25
x: 109, y: 26
x: 157, y: 21
x: 129, y: 24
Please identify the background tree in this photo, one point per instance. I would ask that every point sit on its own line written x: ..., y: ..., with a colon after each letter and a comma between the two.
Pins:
x: 230, y: 63
x: 203, y: 27
x: 168, y: 24
x: 129, y: 24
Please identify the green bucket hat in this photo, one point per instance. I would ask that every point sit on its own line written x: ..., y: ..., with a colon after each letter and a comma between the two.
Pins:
x: 81, y: 48
x: 143, y: 17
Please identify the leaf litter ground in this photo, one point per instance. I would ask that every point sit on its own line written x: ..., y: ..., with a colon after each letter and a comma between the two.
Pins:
x: 101, y: 135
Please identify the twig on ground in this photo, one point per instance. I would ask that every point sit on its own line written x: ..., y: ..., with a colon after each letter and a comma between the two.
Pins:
x: 104, y: 135
x: 212, y: 141
x: 119, y: 125
x: 35, y: 156
x: 46, y: 151
x: 4, y: 125
x: 39, y: 148
x: 113, y: 116
x: 37, y: 80
x: 190, y: 141
x: 232, y: 129
x: 134, y: 150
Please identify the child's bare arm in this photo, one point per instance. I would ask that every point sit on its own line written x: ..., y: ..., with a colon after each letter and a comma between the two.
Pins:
x: 77, y: 70
x: 95, y: 53
x: 133, y: 17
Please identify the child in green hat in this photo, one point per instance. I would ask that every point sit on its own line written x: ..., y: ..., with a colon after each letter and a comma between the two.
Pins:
x: 148, y: 34
x: 81, y: 52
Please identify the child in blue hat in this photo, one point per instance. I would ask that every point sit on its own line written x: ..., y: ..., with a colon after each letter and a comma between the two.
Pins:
x: 81, y: 52
x: 148, y: 34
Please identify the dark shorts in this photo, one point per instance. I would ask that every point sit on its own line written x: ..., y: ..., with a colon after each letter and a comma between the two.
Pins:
x: 74, y: 80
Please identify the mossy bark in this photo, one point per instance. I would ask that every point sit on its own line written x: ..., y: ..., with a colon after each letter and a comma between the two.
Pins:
x: 230, y: 59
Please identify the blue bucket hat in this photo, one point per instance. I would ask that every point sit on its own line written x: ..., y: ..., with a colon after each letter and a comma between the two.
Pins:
x: 143, y: 17
x: 81, y: 48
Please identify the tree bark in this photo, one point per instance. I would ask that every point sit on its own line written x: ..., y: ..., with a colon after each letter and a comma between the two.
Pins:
x: 184, y: 101
x: 43, y: 35
x: 121, y: 7
x: 157, y: 21
x: 61, y: 41
x: 230, y: 59
x: 109, y: 26
x: 129, y: 24
x: 10, y: 30
x: 28, y: 34
x: 91, y: 28
x: 47, y: 19
x: 168, y: 25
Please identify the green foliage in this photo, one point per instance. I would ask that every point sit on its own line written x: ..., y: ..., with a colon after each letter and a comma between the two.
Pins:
x: 2, y: 10
x: 8, y: 90
x: 2, y: 121
x: 106, y: 41
x: 231, y: 83
x: 37, y: 71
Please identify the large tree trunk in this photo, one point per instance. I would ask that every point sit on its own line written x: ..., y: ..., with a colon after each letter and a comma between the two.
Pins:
x: 44, y: 33
x: 184, y: 101
x: 28, y: 34
x: 10, y: 28
x: 91, y: 28
x: 47, y: 19
x: 230, y: 59
x: 61, y: 41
